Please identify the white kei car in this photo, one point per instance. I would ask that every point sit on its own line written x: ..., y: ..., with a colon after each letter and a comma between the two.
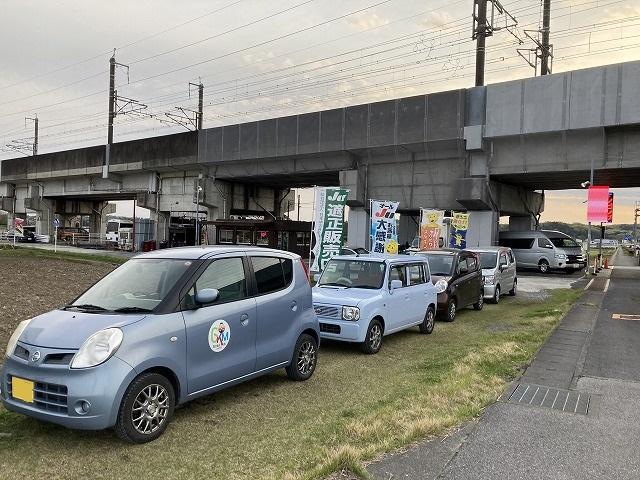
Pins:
x: 361, y: 298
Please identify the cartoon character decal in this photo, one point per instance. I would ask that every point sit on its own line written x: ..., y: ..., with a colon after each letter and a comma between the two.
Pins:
x: 219, y: 335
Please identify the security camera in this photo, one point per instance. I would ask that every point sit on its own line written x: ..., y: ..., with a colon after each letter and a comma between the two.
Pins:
x: 585, y: 184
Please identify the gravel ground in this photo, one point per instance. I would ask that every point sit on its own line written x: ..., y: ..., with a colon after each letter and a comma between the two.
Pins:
x: 29, y: 287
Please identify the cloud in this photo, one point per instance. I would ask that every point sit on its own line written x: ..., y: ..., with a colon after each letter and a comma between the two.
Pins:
x: 366, y: 21
x: 437, y: 19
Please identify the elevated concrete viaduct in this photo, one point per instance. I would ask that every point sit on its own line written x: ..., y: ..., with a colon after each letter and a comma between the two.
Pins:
x: 489, y: 150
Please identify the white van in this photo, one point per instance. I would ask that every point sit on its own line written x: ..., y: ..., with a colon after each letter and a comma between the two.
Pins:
x: 544, y: 250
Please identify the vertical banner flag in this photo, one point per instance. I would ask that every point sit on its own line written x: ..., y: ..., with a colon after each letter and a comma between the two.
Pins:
x: 597, y: 204
x: 610, y: 209
x: 384, y: 231
x: 459, y: 227
x: 328, y: 225
x: 430, y: 223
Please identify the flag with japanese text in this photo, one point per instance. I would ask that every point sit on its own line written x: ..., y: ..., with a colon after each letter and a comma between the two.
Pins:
x: 431, y: 222
x: 459, y: 227
x: 384, y: 228
x: 328, y: 228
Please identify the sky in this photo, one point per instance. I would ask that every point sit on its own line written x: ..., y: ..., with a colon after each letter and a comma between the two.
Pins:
x: 260, y: 59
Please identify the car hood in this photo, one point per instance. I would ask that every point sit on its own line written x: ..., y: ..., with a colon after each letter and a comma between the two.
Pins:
x: 69, y: 329
x: 343, y: 296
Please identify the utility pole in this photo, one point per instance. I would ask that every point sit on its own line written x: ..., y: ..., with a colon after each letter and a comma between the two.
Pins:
x: 480, y: 34
x: 200, y: 104
x: 298, y: 207
x: 636, y: 214
x: 35, y: 133
x: 113, y: 97
x: 546, y: 48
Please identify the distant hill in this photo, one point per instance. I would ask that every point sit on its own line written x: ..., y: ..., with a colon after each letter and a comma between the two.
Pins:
x: 579, y: 230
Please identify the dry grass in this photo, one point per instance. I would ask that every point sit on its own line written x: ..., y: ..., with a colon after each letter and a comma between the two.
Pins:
x: 354, y: 408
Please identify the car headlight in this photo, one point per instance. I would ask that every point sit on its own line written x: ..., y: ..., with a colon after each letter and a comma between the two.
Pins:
x: 98, y: 348
x: 350, y: 313
x: 441, y: 286
x: 13, y: 340
x: 489, y: 279
x: 561, y: 255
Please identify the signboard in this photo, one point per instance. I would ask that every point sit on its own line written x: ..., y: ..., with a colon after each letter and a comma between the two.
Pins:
x: 459, y: 227
x: 431, y: 221
x: 597, y: 204
x: 610, y: 208
x: 328, y: 225
x: 18, y: 224
x: 56, y: 222
x: 384, y: 230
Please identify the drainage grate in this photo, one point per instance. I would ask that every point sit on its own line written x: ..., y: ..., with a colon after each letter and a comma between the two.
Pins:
x: 546, y: 397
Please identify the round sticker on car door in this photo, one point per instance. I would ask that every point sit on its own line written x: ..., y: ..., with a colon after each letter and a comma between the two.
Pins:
x: 219, y: 335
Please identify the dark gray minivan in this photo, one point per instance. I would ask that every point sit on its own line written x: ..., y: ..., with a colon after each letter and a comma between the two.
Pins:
x: 544, y: 250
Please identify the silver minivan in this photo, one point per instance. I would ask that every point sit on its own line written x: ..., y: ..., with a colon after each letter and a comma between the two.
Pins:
x: 498, y: 271
x: 544, y: 250
x: 164, y: 328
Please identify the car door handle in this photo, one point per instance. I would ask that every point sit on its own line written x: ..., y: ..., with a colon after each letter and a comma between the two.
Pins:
x: 294, y: 306
x: 244, y: 319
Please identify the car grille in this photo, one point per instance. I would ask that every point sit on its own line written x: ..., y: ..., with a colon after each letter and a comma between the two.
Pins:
x: 329, y: 328
x: 58, y: 358
x: 326, y: 311
x: 21, y: 352
x: 575, y: 258
x: 48, y: 396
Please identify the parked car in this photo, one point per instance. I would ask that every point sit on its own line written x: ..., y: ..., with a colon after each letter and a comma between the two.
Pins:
x: 165, y: 328
x: 363, y: 298
x: 498, y: 271
x: 353, y: 251
x: 544, y: 250
x: 458, y: 279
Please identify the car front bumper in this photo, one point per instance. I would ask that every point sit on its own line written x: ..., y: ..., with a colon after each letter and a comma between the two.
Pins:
x: 489, y: 290
x: 342, y: 330
x: 60, y: 391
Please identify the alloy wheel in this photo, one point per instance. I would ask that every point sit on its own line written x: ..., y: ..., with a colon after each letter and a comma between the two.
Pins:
x: 306, y: 358
x: 375, y: 337
x: 150, y: 409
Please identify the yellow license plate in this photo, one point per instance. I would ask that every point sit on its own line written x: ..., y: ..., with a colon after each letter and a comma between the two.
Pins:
x: 22, y: 389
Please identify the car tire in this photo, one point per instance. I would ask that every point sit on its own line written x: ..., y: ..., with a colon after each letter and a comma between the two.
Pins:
x: 514, y: 290
x: 543, y: 266
x: 426, y: 327
x: 452, y: 309
x: 304, y: 360
x: 480, y: 303
x: 152, y: 395
x: 496, y: 295
x: 373, y: 341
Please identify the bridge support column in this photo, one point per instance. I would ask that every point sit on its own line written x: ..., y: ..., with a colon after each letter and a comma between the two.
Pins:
x: 483, y: 228
x: 521, y: 223
x: 358, y: 227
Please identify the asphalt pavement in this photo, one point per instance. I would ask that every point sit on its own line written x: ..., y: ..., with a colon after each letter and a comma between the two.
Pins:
x: 573, y: 413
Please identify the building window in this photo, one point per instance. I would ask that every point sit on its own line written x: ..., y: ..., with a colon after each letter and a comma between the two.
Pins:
x: 303, y: 239
x: 262, y: 238
x: 243, y: 237
x: 226, y: 236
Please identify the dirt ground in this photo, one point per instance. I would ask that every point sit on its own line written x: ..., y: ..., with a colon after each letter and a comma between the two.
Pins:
x: 31, y: 286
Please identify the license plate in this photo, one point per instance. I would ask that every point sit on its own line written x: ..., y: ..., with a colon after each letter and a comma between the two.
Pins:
x: 22, y: 389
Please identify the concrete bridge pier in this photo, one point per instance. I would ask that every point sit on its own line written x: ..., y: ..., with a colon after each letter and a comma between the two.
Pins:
x: 522, y: 223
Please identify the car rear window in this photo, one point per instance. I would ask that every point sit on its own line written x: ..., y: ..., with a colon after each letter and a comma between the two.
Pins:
x: 272, y: 273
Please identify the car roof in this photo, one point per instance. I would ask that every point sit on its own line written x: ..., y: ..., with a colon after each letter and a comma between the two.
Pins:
x: 487, y: 249
x: 208, y: 251
x: 441, y: 251
x: 380, y: 258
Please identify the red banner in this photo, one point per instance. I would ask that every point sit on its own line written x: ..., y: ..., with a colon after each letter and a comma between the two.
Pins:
x: 598, y: 204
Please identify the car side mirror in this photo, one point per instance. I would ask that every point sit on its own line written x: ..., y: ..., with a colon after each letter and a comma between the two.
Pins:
x: 395, y: 284
x: 502, y: 267
x: 316, y: 277
x: 206, y: 296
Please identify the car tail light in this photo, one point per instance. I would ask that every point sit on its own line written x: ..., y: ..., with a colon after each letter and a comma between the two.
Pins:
x: 306, y: 270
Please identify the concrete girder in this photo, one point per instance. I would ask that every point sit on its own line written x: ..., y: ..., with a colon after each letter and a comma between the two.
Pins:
x: 478, y: 194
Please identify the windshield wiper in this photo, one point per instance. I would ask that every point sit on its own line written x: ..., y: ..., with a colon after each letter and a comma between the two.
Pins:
x: 333, y: 284
x: 132, y: 310
x: 86, y: 306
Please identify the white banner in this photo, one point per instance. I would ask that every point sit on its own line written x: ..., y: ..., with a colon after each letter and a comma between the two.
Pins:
x: 328, y: 225
x: 384, y: 230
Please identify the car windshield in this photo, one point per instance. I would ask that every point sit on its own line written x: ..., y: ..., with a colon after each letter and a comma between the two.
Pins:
x: 488, y: 259
x: 137, y: 286
x: 440, y: 265
x: 353, y: 274
x: 563, y: 242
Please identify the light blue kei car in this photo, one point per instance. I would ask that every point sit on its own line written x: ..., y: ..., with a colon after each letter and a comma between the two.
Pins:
x: 362, y: 298
x: 162, y: 329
